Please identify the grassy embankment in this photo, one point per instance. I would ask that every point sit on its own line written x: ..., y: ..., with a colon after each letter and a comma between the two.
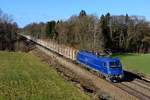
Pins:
x: 24, y: 77
x: 135, y: 62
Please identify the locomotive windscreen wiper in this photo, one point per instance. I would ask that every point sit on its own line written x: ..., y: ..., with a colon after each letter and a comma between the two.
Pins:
x: 114, y: 65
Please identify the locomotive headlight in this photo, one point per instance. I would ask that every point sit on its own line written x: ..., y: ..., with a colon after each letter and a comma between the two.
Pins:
x: 120, y: 76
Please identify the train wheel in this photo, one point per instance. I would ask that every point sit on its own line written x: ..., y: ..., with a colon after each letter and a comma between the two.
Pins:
x: 108, y: 79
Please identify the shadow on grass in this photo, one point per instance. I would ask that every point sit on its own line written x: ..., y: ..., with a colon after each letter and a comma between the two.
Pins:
x: 123, y: 54
x: 129, y: 76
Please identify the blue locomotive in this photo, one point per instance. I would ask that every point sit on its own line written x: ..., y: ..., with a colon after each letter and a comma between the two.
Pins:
x: 110, y: 68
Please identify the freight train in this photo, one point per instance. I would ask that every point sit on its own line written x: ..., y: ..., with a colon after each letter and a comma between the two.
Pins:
x: 108, y: 67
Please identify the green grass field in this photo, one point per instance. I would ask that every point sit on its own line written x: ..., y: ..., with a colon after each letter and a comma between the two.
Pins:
x: 24, y: 77
x: 136, y: 62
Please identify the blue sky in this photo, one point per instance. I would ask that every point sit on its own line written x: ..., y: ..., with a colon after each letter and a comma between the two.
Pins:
x: 27, y: 11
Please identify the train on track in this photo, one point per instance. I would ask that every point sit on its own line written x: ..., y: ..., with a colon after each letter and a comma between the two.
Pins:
x: 110, y: 68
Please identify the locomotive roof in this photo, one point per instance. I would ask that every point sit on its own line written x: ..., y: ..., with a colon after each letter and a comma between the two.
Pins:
x: 105, y: 59
x: 109, y: 59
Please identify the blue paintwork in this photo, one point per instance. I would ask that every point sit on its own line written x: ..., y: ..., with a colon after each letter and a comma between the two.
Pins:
x: 94, y: 62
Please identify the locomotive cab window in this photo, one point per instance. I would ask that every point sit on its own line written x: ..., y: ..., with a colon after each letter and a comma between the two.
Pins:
x: 104, y: 64
x: 114, y: 64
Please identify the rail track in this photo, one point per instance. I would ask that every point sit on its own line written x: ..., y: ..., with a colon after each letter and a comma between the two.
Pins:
x: 142, y: 83
x: 136, y: 88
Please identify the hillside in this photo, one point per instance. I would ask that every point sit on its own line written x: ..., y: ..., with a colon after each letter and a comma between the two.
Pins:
x: 23, y: 76
x: 136, y: 62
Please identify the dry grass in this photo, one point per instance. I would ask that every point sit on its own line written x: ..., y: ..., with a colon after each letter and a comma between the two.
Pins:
x: 23, y: 77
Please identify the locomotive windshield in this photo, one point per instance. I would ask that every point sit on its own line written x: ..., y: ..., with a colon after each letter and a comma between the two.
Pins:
x: 114, y: 64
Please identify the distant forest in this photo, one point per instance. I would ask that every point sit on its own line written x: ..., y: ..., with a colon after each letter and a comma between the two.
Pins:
x: 117, y: 33
x: 8, y: 32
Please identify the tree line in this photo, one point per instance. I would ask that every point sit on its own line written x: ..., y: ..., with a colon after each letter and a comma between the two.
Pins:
x: 8, y: 30
x: 121, y: 33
